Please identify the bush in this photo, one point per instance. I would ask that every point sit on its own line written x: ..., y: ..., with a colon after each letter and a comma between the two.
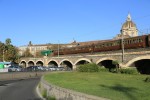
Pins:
x: 103, y: 69
x: 128, y: 71
x: 44, y: 94
x: 90, y: 67
x: 50, y: 98
x: 147, y: 79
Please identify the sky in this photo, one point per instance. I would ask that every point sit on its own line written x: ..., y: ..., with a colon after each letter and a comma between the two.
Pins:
x: 63, y: 21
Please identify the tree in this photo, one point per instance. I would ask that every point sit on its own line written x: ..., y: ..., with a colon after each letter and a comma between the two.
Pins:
x: 8, y: 41
x: 116, y: 63
x: 8, y: 51
x: 11, y: 53
x: 30, y: 43
x: 2, y: 46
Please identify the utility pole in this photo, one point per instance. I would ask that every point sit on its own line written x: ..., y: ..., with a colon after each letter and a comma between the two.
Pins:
x: 3, y: 55
x: 58, y: 48
x: 122, y: 45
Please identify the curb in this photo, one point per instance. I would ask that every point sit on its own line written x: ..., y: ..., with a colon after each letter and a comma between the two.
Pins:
x: 38, y: 93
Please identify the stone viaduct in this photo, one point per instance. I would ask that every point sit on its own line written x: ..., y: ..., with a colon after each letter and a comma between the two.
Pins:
x: 132, y: 58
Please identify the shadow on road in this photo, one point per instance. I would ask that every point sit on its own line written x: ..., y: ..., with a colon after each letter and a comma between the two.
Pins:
x: 4, y: 83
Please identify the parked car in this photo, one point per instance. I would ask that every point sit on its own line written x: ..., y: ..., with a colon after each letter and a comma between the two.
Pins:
x: 33, y: 68
x: 14, y: 69
x: 53, y: 68
x: 60, y: 68
x: 45, y: 68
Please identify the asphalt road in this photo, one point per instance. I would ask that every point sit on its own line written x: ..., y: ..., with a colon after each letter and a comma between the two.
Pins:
x: 24, y: 89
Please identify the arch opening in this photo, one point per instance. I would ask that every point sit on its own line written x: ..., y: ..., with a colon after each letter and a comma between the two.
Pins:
x: 52, y: 64
x: 143, y: 66
x: 39, y: 63
x: 30, y: 63
x: 107, y: 64
x: 67, y: 65
x: 82, y: 62
x: 23, y: 64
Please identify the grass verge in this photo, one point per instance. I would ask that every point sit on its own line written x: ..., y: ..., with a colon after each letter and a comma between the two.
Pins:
x: 103, y: 84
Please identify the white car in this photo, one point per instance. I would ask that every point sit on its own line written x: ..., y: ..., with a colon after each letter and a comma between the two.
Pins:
x: 14, y: 69
x: 53, y: 68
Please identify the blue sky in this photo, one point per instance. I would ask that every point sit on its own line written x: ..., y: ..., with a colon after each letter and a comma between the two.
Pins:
x: 53, y: 21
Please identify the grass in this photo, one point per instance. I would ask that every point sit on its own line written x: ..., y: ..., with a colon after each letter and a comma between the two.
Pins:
x: 103, y: 84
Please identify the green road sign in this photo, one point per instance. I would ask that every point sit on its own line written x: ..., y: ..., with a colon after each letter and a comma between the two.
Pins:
x: 46, y: 52
x: 1, y: 66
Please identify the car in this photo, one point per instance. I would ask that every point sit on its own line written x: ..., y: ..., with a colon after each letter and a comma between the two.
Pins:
x: 33, y: 68
x: 14, y: 69
x: 45, y: 68
x: 60, y: 68
x: 53, y: 68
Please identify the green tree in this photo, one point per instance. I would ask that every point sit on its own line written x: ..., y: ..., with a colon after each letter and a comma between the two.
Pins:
x: 2, y: 46
x: 8, y: 41
x: 30, y: 43
x: 116, y: 63
x: 11, y: 53
x: 8, y: 51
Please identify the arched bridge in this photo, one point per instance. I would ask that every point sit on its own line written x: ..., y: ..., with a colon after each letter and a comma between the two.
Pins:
x: 130, y: 58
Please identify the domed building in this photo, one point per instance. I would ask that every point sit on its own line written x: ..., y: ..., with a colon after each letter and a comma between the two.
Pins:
x: 128, y: 29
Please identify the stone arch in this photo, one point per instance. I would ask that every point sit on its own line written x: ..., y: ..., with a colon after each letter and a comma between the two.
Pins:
x: 136, y: 59
x: 67, y: 64
x: 23, y: 63
x: 107, y: 63
x: 31, y: 63
x: 102, y: 59
x: 142, y: 64
x: 39, y: 63
x: 82, y: 59
x: 53, y: 62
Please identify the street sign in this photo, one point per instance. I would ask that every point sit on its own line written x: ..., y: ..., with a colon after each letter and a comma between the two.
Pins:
x: 46, y: 52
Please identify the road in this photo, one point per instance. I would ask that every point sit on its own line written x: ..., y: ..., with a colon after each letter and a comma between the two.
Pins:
x: 24, y: 89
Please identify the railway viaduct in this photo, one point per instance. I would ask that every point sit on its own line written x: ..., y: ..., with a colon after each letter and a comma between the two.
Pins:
x: 130, y: 58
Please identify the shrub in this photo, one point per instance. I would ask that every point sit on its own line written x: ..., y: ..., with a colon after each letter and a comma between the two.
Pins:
x: 90, y: 67
x: 44, y: 94
x: 113, y: 70
x: 50, y: 98
x: 147, y: 79
x: 115, y: 62
x: 128, y: 71
x: 103, y: 69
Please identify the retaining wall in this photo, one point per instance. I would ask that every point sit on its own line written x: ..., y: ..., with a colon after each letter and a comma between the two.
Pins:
x: 19, y: 75
x: 64, y: 94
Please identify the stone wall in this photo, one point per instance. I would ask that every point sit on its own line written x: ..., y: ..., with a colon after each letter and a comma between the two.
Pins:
x: 64, y: 94
x: 19, y: 75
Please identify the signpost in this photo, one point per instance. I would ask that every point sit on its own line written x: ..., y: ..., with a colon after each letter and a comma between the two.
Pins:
x: 46, y: 52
